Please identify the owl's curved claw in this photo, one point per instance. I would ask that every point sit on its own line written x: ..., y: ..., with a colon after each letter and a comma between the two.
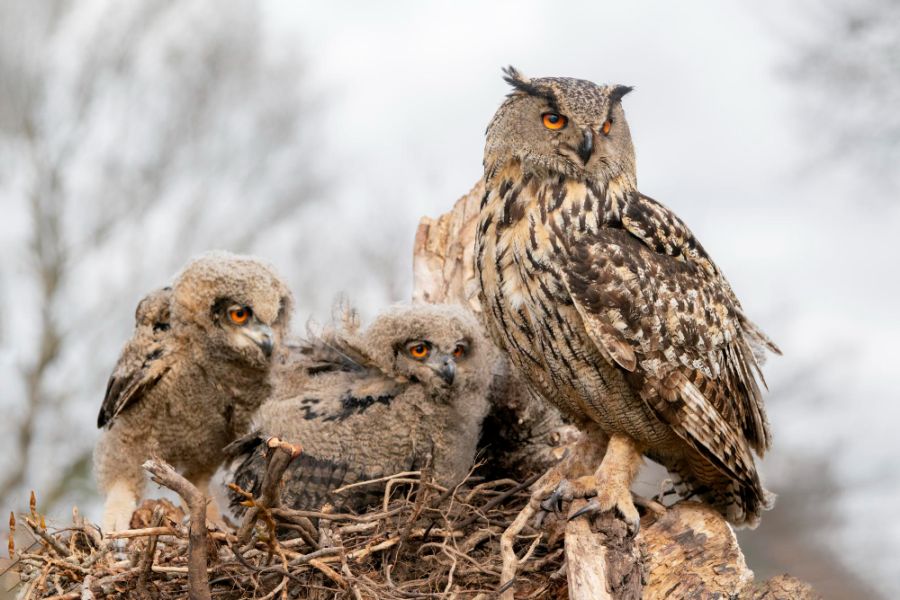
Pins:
x: 553, y: 502
x: 633, y: 523
x: 605, y: 494
x: 590, y: 508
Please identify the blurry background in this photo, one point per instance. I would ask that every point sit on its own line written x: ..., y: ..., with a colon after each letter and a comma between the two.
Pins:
x: 134, y: 135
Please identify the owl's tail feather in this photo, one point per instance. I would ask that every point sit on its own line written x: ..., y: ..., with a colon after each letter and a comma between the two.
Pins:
x: 245, y: 464
x: 759, y: 341
x: 741, y: 504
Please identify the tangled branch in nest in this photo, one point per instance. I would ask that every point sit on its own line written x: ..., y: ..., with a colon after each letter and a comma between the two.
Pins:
x: 423, y: 541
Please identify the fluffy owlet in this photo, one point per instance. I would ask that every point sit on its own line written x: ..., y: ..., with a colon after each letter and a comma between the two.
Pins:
x: 407, y: 392
x: 195, y: 370
x: 609, y: 306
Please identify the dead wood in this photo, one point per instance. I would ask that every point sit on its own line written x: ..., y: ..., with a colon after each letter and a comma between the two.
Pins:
x: 163, y: 474
x: 279, y: 455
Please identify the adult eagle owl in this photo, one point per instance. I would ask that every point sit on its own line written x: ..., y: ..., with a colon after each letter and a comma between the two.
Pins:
x: 609, y: 306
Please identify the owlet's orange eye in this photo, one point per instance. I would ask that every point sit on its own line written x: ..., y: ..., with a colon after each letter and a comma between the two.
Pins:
x: 239, y: 314
x: 554, y: 120
x: 419, y: 351
x: 459, y: 351
x: 607, y: 125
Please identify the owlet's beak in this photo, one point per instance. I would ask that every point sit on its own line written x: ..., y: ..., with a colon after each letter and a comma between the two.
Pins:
x: 261, y: 335
x: 447, y: 370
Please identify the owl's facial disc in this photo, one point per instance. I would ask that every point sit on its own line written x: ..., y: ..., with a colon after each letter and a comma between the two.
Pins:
x: 561, y: 126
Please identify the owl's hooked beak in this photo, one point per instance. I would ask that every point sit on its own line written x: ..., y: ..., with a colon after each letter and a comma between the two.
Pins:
x: 447, y: 371
x: 586, y: 148
x: 261, y: 335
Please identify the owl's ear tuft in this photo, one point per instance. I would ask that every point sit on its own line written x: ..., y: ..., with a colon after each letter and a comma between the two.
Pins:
x: 615, y: 95
x: 524, y: 84
x: 513, y: 77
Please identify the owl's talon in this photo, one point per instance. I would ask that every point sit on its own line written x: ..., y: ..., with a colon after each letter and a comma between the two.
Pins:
x: 590, y: 508
x: 553, y: 502
x: 632, y: 522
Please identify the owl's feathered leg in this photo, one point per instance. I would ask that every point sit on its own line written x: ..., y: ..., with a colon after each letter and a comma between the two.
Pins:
x: 581, y: 457
x: 117, y: 464
x: 121, y: 500
x: 610, y: 485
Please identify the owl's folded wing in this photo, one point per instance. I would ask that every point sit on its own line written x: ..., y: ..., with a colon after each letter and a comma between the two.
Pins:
x: 144, y: 361
x: 307, y: 484
x: 670, y: 324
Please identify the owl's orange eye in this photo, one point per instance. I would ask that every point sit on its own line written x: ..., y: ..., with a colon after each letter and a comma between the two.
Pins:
x: 607, y: 125
x: 239, y: 314
x: 459, y: 351
x: 419, y: 351
x: 554, y: 120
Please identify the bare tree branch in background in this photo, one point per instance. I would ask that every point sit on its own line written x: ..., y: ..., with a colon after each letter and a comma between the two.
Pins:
x: 847, y: 69
x: 140, y: 134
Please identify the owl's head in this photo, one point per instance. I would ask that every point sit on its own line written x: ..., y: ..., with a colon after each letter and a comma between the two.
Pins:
x: 561, y: 126
x: 438, y: 345
x: 237, y: 304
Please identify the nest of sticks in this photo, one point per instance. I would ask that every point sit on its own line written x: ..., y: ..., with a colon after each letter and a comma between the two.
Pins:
x: 424, y: 541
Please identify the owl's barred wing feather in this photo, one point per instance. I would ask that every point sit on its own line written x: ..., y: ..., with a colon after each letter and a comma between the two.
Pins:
x: 129, y: 382
x: 330, y: 351
x: 144, y: 360
x: 326, y: 418
x: 656, y: 304
x: 661, y: 229
x: 308, y: 483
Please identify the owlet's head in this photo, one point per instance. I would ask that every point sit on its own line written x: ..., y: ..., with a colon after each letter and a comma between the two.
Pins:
x: 237, y: 304
x: 438, y: 345
x: 561, y: 126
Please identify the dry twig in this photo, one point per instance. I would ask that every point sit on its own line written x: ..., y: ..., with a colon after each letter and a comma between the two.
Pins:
x: 163, y: 474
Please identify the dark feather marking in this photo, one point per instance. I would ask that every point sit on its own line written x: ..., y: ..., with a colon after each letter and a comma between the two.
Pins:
x: 559, y: 195
x: 535, y: 263
x: 512, y: 210
x: 352, y: 405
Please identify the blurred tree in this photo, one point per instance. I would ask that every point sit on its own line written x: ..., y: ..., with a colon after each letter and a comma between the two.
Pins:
x: 795, y: 537
x: 132, y: 135
x: 847, y: 69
